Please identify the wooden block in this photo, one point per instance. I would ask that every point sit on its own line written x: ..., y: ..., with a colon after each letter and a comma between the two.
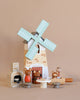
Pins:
x: 68, y: 80
x: 61, y: 81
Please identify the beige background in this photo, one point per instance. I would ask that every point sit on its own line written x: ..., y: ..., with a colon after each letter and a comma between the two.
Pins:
x: 64, y: 30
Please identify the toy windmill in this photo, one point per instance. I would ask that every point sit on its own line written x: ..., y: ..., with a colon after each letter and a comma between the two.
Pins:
x: 37, y: 39
x: 34, y: 49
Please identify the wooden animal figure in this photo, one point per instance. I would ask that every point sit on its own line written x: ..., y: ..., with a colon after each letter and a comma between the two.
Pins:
x: 36, y: 75
x: 54, y: 75
x: 28, y: 76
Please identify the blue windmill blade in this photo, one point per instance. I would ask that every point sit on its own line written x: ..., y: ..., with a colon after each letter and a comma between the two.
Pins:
x: 25, y: 34
x: 42, y: 27
x: 32, y: 52
x: 48, y: 44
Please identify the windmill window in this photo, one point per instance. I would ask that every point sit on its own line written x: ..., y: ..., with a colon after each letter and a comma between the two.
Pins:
x: 38, y: 48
